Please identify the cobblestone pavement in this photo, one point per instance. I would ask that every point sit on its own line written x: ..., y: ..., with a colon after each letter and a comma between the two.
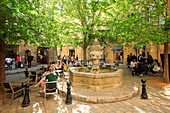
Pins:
x: 158, y: 102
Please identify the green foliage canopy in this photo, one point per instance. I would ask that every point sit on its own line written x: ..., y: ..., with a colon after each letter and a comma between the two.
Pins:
x: 79, y: 22
x: 31, y: 20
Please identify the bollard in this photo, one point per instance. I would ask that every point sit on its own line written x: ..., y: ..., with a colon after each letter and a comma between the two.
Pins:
x: 68, y: 97
x: 26, y: 100
x: 26, y: 73
x: 144, y: 93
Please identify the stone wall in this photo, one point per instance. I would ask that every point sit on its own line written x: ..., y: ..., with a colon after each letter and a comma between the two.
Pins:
x: 22, y: 48
x: 154, y: 50
x: 109, y: 54
x: 65, y: 51
x: 33, y: 50
x: 127, y: 51
x: 52, y: 54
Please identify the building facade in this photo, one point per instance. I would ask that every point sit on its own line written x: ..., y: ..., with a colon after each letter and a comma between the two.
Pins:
x: 42, y: 55
x: 111, y: 55
x: 45, y: 55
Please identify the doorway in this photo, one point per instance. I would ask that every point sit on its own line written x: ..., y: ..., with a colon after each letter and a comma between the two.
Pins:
x: 72, y: 52
x: 42, y: 55
x: 27, y: 52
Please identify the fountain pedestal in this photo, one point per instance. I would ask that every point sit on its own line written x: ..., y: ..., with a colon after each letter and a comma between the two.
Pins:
x: 95, y: 78
x: 83, y: 78
x: 96, y: 54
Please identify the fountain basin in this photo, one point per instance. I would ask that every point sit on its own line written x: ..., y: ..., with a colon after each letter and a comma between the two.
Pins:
x: 83, y: 78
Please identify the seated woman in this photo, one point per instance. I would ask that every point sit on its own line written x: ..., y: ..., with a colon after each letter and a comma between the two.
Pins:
x: 48, y: 71
x: 64, y: 65
x: 58, y: 65
x: 52, y: 76
x: 156, y: 67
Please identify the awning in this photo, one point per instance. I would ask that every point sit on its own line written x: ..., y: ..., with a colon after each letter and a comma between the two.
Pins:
x: 136, y: 47
x: 117, y: 48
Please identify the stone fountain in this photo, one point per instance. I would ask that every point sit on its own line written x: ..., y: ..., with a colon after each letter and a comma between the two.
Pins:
x: 100, y: 84
x: 95, y: 78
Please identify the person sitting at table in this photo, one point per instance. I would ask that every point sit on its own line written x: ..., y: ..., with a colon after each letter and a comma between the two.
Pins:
x: 52, y: 76
x: 142, y: 68
x: 47, y: 71
x: 64, y: 65
x: 156, y: 67
x: 58, y: 65
x: 146, y: 68
x: 63, y: 68
x: 133, y: 66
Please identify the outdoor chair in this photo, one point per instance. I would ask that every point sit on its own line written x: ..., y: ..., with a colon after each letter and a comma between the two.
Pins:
x: 35, y: 77
x: 50, y: 88
x: 26, y: 74
x: 11, y: 89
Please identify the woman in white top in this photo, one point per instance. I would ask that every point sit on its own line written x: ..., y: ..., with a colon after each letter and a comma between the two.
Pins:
x: 8, y: 61
x: 155, y: 66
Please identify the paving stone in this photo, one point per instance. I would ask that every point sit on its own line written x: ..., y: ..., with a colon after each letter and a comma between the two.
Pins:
x: 157, y: 102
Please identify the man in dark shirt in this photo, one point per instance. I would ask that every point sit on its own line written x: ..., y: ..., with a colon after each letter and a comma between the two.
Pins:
x: 30, y: 59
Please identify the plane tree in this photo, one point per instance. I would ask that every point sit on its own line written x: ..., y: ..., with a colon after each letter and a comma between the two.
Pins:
x: 30, y: 20
x: 123, y: 22
x: 146, y: 22
x: 87, y: 20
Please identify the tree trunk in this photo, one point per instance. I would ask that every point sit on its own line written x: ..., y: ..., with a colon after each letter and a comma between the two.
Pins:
x: 84, y: 57
x: 166, y: 61
x: 84, y: 49
x: 84, y: 53
x: 2, y: 61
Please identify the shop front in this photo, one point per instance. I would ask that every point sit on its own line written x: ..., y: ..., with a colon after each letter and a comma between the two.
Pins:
x: 42, y: 55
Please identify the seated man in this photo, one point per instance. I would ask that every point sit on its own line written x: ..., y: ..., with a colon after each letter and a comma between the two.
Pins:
x: 133, y: 66
x: 142, y: 67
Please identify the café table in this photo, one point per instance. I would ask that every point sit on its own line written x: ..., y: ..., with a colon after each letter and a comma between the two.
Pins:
x: 36, y: 75
x: 22, y: 81
x: 59, y: 72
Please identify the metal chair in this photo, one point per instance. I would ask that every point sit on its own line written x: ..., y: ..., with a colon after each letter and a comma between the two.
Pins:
x: 35, y: 77
x: 27, y: 74
x: 50, y: 88
x: 10, y: 89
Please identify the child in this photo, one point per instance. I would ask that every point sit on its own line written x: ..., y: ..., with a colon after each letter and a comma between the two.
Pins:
x: 13, y: 63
